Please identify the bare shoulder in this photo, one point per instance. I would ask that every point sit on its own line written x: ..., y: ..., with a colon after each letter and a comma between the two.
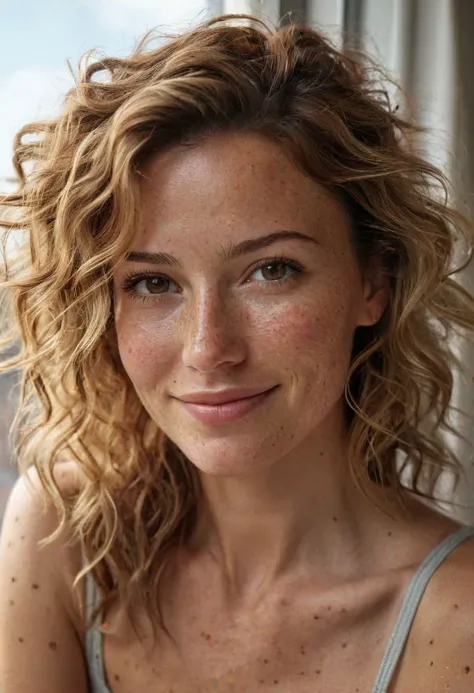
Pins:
x: 68, y: 477
x: 40, y: 647
x: 440, y: 651
x: 30, y: 517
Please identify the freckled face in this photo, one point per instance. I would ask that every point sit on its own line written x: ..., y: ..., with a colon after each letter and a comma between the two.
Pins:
x: 220, y: 315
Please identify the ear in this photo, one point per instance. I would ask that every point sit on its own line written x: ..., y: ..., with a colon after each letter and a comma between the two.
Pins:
x: 374, y: 301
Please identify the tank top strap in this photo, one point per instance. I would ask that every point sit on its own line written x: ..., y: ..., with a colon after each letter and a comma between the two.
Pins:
x: 94, y: 644
x: 410, y: 605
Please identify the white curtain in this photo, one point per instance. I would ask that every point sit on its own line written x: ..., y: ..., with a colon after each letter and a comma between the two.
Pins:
x: 427, y: 47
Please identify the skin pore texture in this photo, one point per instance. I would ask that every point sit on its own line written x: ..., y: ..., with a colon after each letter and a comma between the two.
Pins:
x: 275, y: 478
x: 292, y: 580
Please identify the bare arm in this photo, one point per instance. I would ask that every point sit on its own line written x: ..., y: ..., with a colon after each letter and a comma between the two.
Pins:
x: 40, y: 646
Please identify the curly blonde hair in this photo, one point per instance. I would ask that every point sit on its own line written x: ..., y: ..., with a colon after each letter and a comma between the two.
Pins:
x: 78, y: 208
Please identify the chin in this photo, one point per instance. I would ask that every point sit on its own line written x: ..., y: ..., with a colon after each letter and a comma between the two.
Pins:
x: 223, y: 458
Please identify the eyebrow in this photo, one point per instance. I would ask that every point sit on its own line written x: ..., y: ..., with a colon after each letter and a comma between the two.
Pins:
x: 229, y: 252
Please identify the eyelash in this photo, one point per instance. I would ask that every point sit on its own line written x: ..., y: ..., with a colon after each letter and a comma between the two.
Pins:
x: 132, y: 279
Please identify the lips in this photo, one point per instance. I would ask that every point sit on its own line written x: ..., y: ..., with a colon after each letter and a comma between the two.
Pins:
x: 216, y: 408
x: 222, y: 396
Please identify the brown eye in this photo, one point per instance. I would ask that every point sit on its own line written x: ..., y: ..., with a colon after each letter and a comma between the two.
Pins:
x: 149, y: 285
x: 156, y: 285
x: 274, y: 270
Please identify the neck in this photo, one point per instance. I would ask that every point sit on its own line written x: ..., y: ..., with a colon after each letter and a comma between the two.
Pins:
x: 301, y: 516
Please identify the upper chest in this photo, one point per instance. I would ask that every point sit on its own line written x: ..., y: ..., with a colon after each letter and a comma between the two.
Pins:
x: 291, y: 641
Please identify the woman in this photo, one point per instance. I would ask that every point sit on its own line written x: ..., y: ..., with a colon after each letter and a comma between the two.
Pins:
x: 234, y: 313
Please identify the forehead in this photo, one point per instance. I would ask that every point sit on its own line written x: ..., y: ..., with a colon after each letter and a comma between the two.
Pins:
x: 237, y: 184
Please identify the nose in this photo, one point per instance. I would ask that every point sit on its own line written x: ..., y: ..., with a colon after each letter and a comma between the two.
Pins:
x: 214, y: 334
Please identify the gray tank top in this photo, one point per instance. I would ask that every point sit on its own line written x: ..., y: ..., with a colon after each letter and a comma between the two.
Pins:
x: 396, y: 643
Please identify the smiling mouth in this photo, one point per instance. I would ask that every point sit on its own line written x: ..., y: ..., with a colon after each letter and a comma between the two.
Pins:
x: 223, y: 396
x: 228, y: 410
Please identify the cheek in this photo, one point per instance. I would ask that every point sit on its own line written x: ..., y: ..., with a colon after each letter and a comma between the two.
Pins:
x: 139, y: 342
x: 312, y: 344
x: 313, y: 332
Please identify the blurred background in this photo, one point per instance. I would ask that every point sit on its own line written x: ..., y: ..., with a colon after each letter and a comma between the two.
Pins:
x: 425, y: 45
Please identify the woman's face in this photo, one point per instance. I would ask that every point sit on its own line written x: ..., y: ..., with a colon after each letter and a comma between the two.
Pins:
x: 241, y: 281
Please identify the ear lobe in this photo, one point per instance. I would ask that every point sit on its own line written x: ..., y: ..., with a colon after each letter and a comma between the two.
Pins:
x: 375, y: 302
